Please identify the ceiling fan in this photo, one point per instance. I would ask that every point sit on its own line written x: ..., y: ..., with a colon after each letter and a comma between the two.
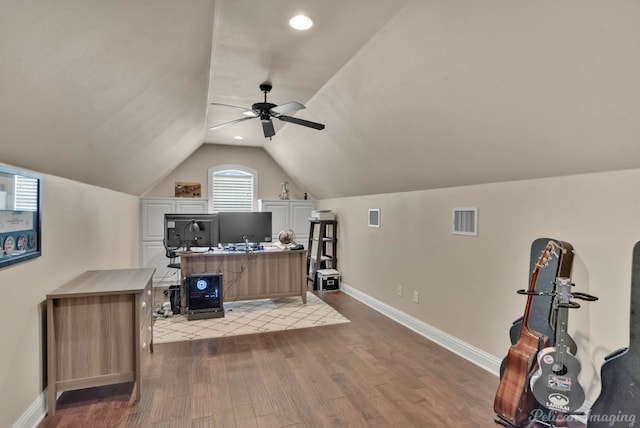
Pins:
x: 266, y: 110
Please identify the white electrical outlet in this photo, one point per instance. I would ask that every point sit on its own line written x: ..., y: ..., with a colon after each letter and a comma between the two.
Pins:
x: 415, y: 297
x: 399, y: 290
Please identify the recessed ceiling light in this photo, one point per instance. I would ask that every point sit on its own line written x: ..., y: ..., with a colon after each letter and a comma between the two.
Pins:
x: 238, y: 137
x: 300, y: 22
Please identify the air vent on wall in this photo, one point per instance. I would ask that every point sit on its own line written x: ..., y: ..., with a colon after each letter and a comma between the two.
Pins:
x: 465, y: 221
x: 374, y: 217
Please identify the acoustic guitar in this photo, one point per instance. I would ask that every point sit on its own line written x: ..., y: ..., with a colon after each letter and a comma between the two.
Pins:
x: 513, y: 401
x: 555, y: 385
x: 618, y: 404
x: 542, y: 318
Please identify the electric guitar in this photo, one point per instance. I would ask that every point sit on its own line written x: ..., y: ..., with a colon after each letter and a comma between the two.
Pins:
x: 555, y: 385
x: 513, y: 401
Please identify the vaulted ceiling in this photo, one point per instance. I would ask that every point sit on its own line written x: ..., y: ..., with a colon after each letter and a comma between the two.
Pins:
x: 414, y: 94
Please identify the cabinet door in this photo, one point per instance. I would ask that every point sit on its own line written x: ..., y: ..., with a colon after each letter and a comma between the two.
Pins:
x: 279, y: 216
x: 154, y: 256
x: 299, y: 214
x: 196, y: 206
x: 152, y: 213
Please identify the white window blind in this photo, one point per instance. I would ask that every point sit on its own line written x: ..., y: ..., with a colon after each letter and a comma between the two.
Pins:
x: 232, y: 191
x: 26, y: 193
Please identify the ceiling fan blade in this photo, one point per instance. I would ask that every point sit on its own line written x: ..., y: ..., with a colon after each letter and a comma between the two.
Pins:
x: 267, y: 127
x: 222, y: 125
x: 287, y: 108
x: 302, y: 122
x: 229, y: 105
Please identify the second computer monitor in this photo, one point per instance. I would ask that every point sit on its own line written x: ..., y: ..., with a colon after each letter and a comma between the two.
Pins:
x: 238, y: 227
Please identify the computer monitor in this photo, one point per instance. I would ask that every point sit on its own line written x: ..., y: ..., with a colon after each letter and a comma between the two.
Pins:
x: 237, y: 227
x: 191, y: 230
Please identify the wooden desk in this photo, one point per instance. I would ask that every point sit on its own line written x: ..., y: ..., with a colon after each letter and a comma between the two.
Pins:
x: 99, y: 327
x: 250, y: 276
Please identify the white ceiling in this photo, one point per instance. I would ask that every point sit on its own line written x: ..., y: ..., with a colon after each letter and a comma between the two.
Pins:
x: 415, y: 94
x: 253, y: 43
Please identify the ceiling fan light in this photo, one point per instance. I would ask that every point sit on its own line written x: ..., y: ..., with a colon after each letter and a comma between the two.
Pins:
x: 250, y: 113
x: 300, y: 22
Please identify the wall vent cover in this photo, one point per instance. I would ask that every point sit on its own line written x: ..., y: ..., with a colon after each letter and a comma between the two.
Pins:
x: 465, y: 221
x: 374, y: 217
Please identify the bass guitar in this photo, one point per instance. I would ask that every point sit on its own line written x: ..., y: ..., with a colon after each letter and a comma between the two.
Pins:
x: 555, y: 385
x: 513, y: 401
x: 618, y: 404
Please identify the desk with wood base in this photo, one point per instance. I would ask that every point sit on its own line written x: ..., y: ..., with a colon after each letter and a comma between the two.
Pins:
x: 250, y: 276
x: 99, y: 329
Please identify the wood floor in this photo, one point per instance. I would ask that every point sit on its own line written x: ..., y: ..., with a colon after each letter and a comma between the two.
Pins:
x: 371, y: 372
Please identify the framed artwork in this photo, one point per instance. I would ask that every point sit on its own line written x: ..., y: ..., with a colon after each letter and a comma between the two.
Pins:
x: 185, y: 189
x: 20, y: 216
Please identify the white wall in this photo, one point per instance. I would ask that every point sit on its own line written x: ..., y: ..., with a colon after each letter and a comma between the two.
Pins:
x: 453, y: 93
x: 467, y: 285
x: 83, y: 227
x: 194, y: 169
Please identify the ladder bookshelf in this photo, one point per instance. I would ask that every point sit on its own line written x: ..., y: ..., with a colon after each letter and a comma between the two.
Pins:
x: 322, y: 248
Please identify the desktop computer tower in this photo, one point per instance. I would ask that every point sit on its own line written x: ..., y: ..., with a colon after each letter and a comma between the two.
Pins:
x: 204, y: 296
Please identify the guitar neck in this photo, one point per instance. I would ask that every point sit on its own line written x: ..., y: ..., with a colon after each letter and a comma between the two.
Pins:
x: 543, y: 261
x: 562, y: 316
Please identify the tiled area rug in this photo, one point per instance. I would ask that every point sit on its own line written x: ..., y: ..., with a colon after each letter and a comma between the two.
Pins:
x: 246, y: 317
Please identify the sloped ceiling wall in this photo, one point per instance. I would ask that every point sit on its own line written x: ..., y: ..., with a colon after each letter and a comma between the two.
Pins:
x: 111, y: 93
x: 447, y: 93
x: 455, y: 93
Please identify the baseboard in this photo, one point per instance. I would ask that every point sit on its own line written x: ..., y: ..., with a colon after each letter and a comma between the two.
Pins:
x: 34, y: 414
x: 469, y: 352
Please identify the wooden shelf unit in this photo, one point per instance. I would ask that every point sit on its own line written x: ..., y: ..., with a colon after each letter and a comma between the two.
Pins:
x: 323, y: 247
x: 99, y: 331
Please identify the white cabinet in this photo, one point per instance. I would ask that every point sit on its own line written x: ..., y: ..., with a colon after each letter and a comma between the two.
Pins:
x: 152, y: 252
x: 289, y: 214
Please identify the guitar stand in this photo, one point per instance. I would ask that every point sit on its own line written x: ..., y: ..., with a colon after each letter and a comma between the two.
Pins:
x: 575, y: 295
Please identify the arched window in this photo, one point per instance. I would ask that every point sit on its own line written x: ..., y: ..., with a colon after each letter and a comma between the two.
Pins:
x: 233, y: 188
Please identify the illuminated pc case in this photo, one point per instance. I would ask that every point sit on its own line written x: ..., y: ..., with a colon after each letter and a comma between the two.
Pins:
x: 204, y: 296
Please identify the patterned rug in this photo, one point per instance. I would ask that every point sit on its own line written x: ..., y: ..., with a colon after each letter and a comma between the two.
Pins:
x: 247, y: 317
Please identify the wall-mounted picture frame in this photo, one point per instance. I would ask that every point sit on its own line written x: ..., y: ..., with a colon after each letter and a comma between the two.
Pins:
x: 184, y: 189
x: 20, y: 216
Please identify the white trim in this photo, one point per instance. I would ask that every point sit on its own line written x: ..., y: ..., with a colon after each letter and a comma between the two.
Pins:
x: 469, y: 352
x: 34, y: 414
x: 463, y: 349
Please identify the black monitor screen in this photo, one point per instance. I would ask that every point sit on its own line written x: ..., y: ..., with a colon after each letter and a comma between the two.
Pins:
x: 236, y: 227
x: 191, y: 230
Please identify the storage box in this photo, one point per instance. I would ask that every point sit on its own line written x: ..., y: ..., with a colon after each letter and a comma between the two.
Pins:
x: 323, y: 215
x: 328, y: 280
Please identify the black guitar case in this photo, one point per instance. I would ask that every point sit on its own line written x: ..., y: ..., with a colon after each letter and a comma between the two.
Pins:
x: 542, y: 316
x: 619, y: 402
